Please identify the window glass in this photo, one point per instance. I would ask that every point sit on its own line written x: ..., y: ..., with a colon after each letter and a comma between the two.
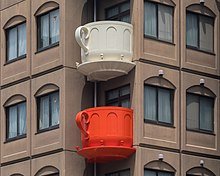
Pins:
x: 206, y: 33
x: 158, y: 104
x: 16, y: 120
x: 165, y: 23
x: 120, y: 173
x: 164, y: 105
x: 119, y: 97
x: 48, y: 110
x: 16, y: 42
x: 200, y: 32
x: 157, y: 173
x: 191, y: 30
x: 119, y: 12
x: 150, y: 15
x: 200, y: 112
x: 150, y: 109
x: 48, y: 32
x: 158, y: 21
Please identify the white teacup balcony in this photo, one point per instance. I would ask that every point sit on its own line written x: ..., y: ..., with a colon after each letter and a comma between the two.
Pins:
x: 106, y: 49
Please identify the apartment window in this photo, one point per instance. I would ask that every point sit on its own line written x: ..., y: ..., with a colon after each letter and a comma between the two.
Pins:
x: 200, y: 112
x: 120, y: 173
x: 119, y: 12
x: 48, y: 111
x: 16, y: 120
x: 148, y: 172
x: 48, y: 29
x: 119, y: 97
x: 16, y: 42
x: 199, y: 32
x: 158, y: 104
x: 158, y: 21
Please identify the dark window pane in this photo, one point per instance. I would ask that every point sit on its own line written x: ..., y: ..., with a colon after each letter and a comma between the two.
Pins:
x: 150, y: 22
x: 55, y: 108
x: 12, y: 44
x: 16, y: 120
x: 165, y: 23
x: 192, y: 112
x: 191, y: 30
x: 200, y: 112
x: 12, y: 122
x: 48, y: 110
x: 44, y: 31
x: 22, y: 118
x: 118, y: 97
x: 206, y: 114
x: 150, y: 103
x: 44, y: 112
x: 22, y: 39
x: 206, y: 25
x: 54, y: 26
x: 164, y: 106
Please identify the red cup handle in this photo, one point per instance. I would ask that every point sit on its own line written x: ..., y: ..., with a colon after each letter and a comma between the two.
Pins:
x: 82, y: 121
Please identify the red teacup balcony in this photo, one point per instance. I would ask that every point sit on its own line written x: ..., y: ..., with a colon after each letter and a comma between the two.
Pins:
x: 106, y: 133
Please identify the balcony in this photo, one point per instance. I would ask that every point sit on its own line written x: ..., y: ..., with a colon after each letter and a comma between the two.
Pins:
x: 106, y: 133
x: 106, y: 49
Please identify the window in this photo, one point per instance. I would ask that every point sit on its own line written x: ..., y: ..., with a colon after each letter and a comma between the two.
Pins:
x: 199, y: 32
x: 16, y: 120
x: 200, y: 112
x: 16, y: 42
x: 158, y: 22
x: 48, y: 111
x: 120, y: 12
x: 118, y: 97
x: 120, y: 173
x: 148, y: 172
x: 48, y: 29
x: 158, y: 104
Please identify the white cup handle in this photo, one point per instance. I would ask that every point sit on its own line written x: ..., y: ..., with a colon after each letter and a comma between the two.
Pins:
x: 78, y: 35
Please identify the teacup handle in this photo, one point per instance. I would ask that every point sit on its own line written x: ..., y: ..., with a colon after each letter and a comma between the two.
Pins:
x: 82, y: 120
x: 78, y: 36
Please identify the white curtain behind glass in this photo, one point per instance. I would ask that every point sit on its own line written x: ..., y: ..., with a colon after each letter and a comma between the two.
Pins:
x: 150, y: 19
x: 12, y: 44
x: 44, y: 35
x: 150, y: 103
x: 55, y: 108
x: 12, y: 131
x: 165, y: 23
x: 44, y: 112
x: 191, y: 30
x: 22, y: 118
x: 206, y: 33
x: 54, y: 26
x: 164, y: 105
x: 22, y: 39
x: 164, y: 174
x: 206, y: 113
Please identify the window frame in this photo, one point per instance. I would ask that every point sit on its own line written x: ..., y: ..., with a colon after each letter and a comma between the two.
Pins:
x: 198, y: 28
x: 119, y: 172
x: 7, y: 61
x: 119, y: 98
x: 156, y: 171
x: 38, y: 20
x: 51, y: 127
x: 157, y: 23
x: 172, y: 94
x: 199, y: 129
x: 7, y: 122
x: 120, y: 14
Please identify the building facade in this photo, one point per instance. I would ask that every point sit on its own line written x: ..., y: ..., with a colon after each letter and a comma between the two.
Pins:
x: 172, y: 85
